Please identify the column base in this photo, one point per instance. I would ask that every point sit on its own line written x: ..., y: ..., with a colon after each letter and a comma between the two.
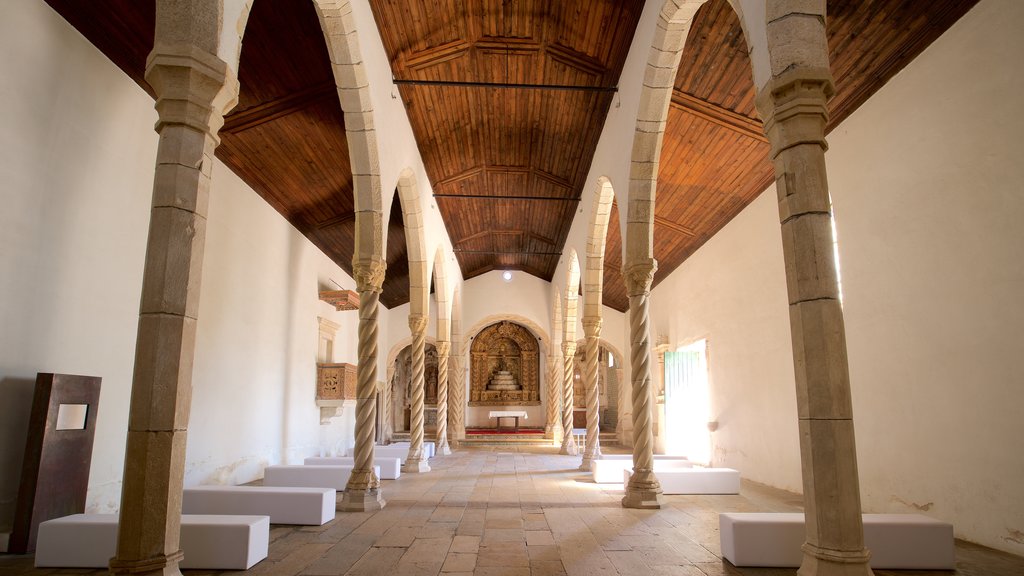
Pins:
x: 443, y: 449
x: 368, y: 500
x: 415, y: 466
x: 824, y: 562
x: 163, y: 565
x: 643, y: 491
x: 586, y: 464
x: 569, y: 446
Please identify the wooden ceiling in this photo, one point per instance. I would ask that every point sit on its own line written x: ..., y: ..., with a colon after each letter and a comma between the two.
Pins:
x: 507, y: 165
x: 714, y: 159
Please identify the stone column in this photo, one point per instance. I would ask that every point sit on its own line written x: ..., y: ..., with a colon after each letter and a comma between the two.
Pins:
x: 553, y: 429
x: 568, y: 440
x: 644, y: 490
x: 389, y: 410
x: 194, y: 89
x: 416, y: 461
x: 363, y: 493
x: 793, y: 108
x: 442, y: 397
x: 592, y: 330
x: 458, y: 396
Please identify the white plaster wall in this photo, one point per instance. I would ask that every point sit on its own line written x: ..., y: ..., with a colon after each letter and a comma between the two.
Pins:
x: 733, y: 292
x: 77, y: 161
x: 255, y: 367
x: 926, y: 180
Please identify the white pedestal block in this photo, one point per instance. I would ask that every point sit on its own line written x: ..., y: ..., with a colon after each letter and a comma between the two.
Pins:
x: 284, y: 504
x: 695, y: 480
x: 310, y: 476
x: 209, y: 542
x: 390, y: 466
x: 896, y: 541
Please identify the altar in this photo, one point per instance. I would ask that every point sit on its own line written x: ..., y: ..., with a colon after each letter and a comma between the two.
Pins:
x: 499, y: 414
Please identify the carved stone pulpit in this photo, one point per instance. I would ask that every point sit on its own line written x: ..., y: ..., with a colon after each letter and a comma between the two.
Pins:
x: 335, y: 385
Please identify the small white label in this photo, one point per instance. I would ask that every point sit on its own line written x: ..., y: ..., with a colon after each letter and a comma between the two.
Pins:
x: 72, y: 416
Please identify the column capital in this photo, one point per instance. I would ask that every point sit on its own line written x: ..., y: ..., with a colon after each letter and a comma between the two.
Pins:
x: 592, y: 326
x: 443, y: 347
x: 793, y: 107
x: 417, y: 324
x: 193, y: 87
x: 639, y: 276
x: 368, y: 274
x: 568, y: 348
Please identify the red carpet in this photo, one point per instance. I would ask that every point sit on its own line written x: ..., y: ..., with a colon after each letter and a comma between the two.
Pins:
x: 504, y: 431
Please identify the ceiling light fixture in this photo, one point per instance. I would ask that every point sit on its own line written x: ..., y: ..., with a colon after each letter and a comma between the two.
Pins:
x: 506, y: 275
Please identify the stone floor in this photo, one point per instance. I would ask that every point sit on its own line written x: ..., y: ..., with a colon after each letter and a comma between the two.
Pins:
x: 525, y: 511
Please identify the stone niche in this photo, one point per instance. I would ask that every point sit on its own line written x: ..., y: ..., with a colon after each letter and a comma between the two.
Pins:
x: 505, y: 367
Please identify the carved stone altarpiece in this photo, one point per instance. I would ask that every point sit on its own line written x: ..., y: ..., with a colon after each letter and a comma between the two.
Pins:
x: 505, y: 347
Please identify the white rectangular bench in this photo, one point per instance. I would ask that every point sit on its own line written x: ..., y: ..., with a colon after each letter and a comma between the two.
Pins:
x: 309, y: 476
x: 896, y: 541
x: 209, y: 542
x: 695, y: 480
x: 390, y: 466
x: 284, y: 504
x: 609, y: 470
x: 428, y: 447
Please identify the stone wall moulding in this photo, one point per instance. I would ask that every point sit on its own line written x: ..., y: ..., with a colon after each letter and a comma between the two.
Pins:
x: 341, y: 299
x: 505, y: 367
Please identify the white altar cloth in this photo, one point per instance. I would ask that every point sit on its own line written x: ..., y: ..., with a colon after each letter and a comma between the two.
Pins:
x: 507, y: 414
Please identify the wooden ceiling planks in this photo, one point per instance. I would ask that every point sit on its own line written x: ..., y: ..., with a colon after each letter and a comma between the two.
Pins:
x: 714, y: 159
x: 286, y: 137
x: 484, y: 143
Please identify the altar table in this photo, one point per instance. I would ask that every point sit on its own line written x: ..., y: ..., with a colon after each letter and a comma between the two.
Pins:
x: 499, y: 414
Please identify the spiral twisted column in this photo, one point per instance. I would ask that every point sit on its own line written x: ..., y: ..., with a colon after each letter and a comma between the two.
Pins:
x: 443, y: 348
x: 457, y: 392
x: 793, y: 106
x: 362, y: 493
x: 553, y: 429
x: 643, y: 490
x: 592, y: 330
x: 416, y: 461
x: 568, y: 440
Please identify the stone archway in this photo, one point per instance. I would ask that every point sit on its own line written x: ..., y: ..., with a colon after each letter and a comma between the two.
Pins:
x: 504, y: 367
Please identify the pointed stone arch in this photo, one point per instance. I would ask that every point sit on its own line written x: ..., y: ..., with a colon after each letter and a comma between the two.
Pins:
x: 442, y: 294
x: 412, y: 213
x: 593, y: 277
x: 353, y: 86
x: 368, y: 261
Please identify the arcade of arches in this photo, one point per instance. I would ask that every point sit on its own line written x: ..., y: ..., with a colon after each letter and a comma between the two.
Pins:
x: 375, y: 223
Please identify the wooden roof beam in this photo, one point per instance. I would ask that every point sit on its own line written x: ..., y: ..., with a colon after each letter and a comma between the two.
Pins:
x: 718, y: 115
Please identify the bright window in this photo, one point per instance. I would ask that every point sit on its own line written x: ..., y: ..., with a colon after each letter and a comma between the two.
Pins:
x: 687, y: 403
